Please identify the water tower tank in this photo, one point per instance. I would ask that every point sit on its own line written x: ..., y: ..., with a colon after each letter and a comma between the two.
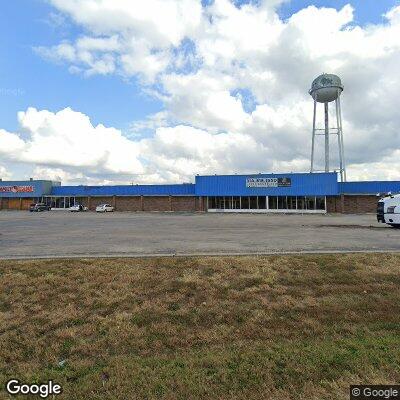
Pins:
x: 326, y: 88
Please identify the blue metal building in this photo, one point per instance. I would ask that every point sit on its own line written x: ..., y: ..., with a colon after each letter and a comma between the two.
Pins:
x: 294, y: 184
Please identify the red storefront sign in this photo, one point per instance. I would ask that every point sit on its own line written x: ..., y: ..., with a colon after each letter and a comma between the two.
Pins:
x: 17, y: 189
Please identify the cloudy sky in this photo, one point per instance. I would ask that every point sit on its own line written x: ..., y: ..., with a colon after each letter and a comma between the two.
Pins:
x: 156, y: 91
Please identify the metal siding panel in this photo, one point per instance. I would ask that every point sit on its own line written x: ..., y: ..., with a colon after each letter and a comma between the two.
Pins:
x: 46, y: 187
x: 40, y: 188
x: 369, y: 187
x: 125, y: 190
x: 318, y: 184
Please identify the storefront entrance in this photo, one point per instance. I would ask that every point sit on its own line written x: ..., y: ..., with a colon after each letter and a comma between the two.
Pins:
x: 59, y: 203
x: 265, y: 204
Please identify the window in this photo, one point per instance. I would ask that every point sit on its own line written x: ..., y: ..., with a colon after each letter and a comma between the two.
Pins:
x: 211, y: 202
x: 69, y: 202
x: 235, y: 202
x: 291, y: 202
x: 228, y: 202
x: 262, y: 202
x: 245, y: 203
x: 282, y: 202
x: 301, y: 204
x: 310, y: 202
x: 320, y: 202
x: 59, y: 202
x: 48, y: 201
x: 253, y: 202
x: 220, y: 202
x: 272, y: 202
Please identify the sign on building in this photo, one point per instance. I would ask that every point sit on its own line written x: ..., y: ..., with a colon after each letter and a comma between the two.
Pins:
x: 17, y: 189
x: 268, y: 182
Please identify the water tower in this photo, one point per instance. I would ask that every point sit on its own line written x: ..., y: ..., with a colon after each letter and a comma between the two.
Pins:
x: 326, y: 89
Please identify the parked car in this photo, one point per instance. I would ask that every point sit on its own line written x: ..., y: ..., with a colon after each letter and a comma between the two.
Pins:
x: 77, y: 208
x: 39, y: 207
x: 104, y: 208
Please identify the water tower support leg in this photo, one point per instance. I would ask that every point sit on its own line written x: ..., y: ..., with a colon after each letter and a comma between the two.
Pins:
x: 313, y: 138
x: 341, y: 140
x: 340, y: 146
x: 326, y: 138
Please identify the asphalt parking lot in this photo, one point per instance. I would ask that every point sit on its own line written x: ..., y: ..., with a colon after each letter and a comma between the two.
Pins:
x: 65, y: 234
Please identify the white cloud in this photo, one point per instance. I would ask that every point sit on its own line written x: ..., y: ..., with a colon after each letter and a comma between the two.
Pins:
x: 66, y: 146
x: 10, y: 144
x: 67, y: 138
x: 186, y: 151
x: 126, y: 36
x: 387, y: 168
x: 163, y: 22
x: 202, y: 62
x: 56, y: 174
x: 4, y: 173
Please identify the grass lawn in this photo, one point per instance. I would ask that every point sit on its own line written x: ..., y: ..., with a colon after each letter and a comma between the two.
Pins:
x: 273, y: 327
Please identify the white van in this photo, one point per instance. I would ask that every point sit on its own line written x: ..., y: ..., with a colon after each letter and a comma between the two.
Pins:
x: 388, y: 210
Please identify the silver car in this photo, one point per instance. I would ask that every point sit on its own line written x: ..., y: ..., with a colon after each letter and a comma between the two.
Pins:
x: 77, y: 208
x: 104, y: 208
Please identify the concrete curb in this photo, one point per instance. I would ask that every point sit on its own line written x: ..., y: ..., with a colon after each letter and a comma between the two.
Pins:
x: 182, y: 255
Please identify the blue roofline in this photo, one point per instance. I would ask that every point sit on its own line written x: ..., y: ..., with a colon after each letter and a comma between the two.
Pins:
x: 369, y: 187
x: 184, y: 189
x: 302, y: 183
x: 271, y: 173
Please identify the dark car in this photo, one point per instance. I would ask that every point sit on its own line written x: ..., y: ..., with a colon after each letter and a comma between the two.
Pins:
x: 39, y: 207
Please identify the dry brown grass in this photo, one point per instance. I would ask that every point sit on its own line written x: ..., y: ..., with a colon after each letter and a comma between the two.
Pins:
x: 276, y: 327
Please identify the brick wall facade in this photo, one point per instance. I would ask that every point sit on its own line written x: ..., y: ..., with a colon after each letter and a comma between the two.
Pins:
x: 333, y: 204
x: 349, y: 204
x: 18, y: 203
x: 4, y: 203
x: 360, y: 204
x: 183, y: 203
x: 352, y: 204
x: 156, y: 203
x: 124, y: 203
x: 128, y: 203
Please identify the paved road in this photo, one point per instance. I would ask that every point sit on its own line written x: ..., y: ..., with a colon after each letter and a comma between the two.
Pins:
x: 60, y: 233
